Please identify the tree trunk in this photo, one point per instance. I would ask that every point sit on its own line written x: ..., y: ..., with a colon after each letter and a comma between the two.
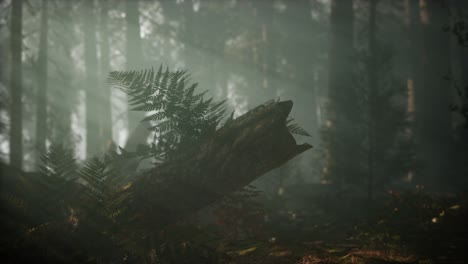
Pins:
x: 433, y: 95
x: 16, y: 86
x: 372, y: 86
x: 191, y: 52
x: 268, y: 47
x: 92, y: 99
x: 134, y: 55
x: 414, y: 77
x: 234, y: 156
x: 67, y: 93
x: 41, y: 110
x: 342, y: 107
x: 106, y: 114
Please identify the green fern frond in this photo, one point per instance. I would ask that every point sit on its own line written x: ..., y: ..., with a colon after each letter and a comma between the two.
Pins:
x: 58, y: 162
x: 178, y: 114
x: 94, y: 173
x: 103, y: 186
x: 295, y: 129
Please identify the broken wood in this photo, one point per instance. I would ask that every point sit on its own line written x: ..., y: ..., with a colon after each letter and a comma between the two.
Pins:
x: 237, y: 154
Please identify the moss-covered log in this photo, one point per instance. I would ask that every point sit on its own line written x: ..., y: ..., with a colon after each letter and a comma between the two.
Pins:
x: 238, y: 153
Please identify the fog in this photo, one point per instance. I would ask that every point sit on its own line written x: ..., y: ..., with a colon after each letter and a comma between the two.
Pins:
x: 378, y: 90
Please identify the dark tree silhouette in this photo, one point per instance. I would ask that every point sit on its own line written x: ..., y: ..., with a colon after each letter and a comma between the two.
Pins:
x: 41, y: 110
x: 16, y: 85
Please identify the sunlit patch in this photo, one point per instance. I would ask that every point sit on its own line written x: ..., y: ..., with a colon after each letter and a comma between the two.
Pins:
x: 246, y: 251
x: 442, y: 213
x: 126, y: 186
x: 72, y: 218
x: 409, y: 176
x: 280, y: 191
x: 325, y: 181
x: 235, y: 99
x: 325, y: 170
x: 454, y: 207
x: 434, y: 220
x: 423, y: 12
x: 293, y: 216
x: 280, y: 253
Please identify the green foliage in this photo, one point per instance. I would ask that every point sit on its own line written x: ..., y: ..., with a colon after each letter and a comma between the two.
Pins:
x: 296, y: 129
x: 179, y: 115
x: 58, y: 162
x: 104, y: 187
x: 83, y: 208
x: 57, y: 174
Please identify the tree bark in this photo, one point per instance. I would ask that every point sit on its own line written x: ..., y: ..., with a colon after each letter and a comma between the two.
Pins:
x: 342, y: 106
x: 266, y: 14
x: 372, y: 86
x: 67, y: 93
x: 92, y: 98
x: 105, y: 112
x: 234, y: 156
x: 433, y: 95
x: 16, y: 86
x: 41, y: 107
x: 134, y: 56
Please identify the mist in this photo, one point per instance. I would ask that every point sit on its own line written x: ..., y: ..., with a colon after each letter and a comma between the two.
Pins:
x: 197, y: 131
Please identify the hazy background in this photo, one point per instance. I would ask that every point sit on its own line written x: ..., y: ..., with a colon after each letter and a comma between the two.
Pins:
x: 367, y: 84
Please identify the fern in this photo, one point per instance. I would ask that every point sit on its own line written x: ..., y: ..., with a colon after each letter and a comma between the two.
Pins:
x: 179, y: 116
x: 296, y: 129
x: 58, y: 162
x: 57, y: 173
x: 104, y: 186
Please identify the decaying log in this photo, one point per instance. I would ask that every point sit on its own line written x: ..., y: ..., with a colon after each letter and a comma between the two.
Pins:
x: 237, y: 154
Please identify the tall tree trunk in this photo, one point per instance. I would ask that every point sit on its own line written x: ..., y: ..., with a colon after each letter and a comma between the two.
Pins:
x: 191, y: 52
x: 414, y: 77
x: 92, y: 98
x: 16, y: 110
x: 433, y: 95
x: 372, y: 88
x: 268, y: 48
x: 67, y: 92
x: 342, y: 96
x: 134, y: 56
x: 459, y: 9
x: 134, y: 53
x: 106, y: 114
x: 41, y: 110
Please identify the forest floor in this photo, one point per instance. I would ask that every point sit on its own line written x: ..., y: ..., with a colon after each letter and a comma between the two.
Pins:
x: 398, y: 227
x: 304, y: 225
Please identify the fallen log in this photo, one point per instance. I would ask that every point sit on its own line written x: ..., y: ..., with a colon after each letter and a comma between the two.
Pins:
x: 237, y: 154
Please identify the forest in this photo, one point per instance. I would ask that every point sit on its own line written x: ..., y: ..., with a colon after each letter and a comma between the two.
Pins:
x: 233, y: 131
